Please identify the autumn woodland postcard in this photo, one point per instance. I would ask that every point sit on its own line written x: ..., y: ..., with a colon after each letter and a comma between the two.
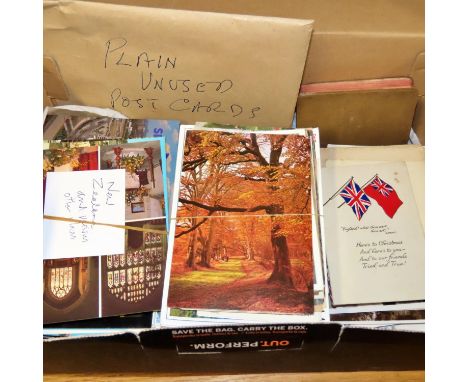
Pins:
x: 242, y: 234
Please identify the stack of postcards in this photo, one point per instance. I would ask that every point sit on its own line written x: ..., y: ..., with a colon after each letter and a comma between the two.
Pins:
x: 210, y: 224
x: 244, y: 237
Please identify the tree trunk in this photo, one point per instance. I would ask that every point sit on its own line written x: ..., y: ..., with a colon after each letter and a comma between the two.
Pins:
x: 208, y: 247
x: 249, y: 250
x: 191, y: 249
x: 282, y: 270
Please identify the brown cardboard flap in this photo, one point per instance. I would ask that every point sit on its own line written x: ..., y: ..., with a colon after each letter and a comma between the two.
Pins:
x: 373, y: 117
x: 54, y: 86
x: 418, y: 73
x: 338, y: 56
x: 419, y: 120
x: 182, y: 65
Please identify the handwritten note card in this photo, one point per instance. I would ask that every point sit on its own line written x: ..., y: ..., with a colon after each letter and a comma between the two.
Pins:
x: 374, y: 238
x: 92, y: 196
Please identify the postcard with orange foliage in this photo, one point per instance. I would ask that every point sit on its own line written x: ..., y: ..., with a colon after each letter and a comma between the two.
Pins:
x: 242, y: 228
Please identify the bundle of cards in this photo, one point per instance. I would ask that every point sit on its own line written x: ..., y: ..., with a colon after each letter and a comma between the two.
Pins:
x: 105, y: 228
x: 244, y: 241
x: 374, y: 232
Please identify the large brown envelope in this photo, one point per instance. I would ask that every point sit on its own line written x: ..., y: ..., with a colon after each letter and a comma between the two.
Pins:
x: 171, y: 64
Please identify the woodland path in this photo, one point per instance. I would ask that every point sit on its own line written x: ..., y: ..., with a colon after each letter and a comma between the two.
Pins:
x: 237, y: 284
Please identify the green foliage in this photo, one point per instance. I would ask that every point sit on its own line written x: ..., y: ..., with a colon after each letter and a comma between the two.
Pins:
x: 132, y: 163
x: 62, y: 156
x: 132, y: 195
x: 225, y: 273
x: 176, y: 312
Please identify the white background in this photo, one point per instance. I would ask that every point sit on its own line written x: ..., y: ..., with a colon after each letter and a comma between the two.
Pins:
x: 446, y: 199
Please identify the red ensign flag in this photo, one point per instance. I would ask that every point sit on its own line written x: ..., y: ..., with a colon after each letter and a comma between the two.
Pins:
x: 385, y: 195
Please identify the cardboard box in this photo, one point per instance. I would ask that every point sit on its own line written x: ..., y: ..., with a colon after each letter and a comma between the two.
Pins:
x: 360, y: 39
x: 324, y: 347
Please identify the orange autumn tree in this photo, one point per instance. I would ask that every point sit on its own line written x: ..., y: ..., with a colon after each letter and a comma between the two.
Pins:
x: 232, y: 173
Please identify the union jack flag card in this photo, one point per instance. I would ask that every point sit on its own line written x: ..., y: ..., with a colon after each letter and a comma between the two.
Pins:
x: 355, y: 198
x: 378, y: 258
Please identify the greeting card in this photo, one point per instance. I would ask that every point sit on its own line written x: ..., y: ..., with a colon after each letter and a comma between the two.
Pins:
x: 374, y: 238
